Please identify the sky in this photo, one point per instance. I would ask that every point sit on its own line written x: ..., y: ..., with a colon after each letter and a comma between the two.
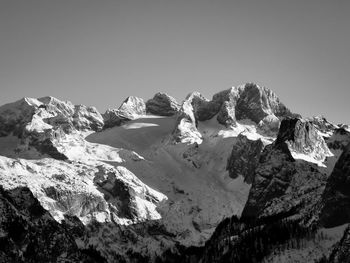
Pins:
x: 99, y: 52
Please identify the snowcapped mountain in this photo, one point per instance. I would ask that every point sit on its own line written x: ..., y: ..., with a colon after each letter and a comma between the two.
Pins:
x: 148, y: 181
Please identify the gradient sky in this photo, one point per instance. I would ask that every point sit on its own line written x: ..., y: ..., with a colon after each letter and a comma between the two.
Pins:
x: 99, y: 52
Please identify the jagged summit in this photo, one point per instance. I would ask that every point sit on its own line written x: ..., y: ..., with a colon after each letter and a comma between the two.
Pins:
x: 303, y: 139
x: 131, y: 108
x: 162, y: 104
x: 246, y: 102
x: 40, y: 123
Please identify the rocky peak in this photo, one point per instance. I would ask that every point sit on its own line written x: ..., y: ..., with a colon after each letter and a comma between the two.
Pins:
x: 194, y: 108
x: 186, y: 124
x: 132, y: 107
x: 42, y: 122
x: 65, y: 108
x: 344, y: 126
x: 253, y: 102
x: 227, y: 100
x: 323, y: 125
x: 203, y: 108
x: 81, y: 117
x: 162, y: 104
x: 249, y: 101
x: 303, y: 138
x: 282, y: 185
x: 226, y: 95
x: 87, y: 118
x: 15, y: 116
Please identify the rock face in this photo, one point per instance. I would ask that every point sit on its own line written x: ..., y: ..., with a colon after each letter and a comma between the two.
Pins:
x: 30, y: 234
x: 90, y: 192
x: 87, y: 118
x: 256, y: 103
x: 186, y: 125
x: 162, y: 104
x: 114, y: 118
x: 15, y: 116
x: 339, y: 139
x: 244, y: 158
x: 80, y: 116
x: 247, y: 102
x: 271, y: 179
x: 341, y: 252
x: 336, y: 197
x: 226, y: 115
x: 131, y: 108
x: 251, y: 102
x: 303, y: 138
x: 37, y: 115
x: 285, y: 200
x: 282, y: 184
x: 323, y: 125
x: 127, y: 196
x: 41, y: 123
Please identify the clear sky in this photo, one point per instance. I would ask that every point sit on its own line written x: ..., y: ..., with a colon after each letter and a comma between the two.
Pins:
x: 99, y: 52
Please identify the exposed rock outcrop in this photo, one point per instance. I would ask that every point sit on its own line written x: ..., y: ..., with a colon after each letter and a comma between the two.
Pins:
x: 226, y: 115
x: 132, y: 107
x: 341, y: 252
x: 323, y: 125
x: 303, y: 138
x: 336, y: 197
x: 30, y: 234
x: 87, y: 118
x: 252, y: 102
x: 244, y: 158
x: 127, y: 196
x: 272, y: 177
x: 113, y: 118
x: 246, y: 102
x: 339, y: 139
x: 281, y: 183
x: 186, y: 126
x: 40, y: 123
x: 15, y: 116
x: 163, y: 105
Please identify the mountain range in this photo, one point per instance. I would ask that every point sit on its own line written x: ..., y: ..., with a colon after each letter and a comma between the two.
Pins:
x: 238, y: 178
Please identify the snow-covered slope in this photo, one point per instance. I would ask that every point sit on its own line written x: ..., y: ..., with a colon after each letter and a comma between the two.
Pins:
x: 193, y: 177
